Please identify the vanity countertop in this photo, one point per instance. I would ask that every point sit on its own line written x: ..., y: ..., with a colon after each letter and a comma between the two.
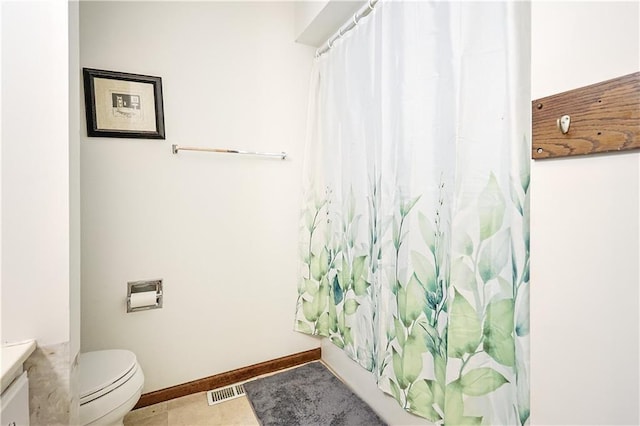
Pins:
x: 13, y: 357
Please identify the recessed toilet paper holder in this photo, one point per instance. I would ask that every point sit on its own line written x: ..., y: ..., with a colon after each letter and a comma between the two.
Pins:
x: 144, y: 295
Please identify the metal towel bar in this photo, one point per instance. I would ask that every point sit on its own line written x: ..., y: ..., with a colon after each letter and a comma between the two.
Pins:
x: 176, y: 148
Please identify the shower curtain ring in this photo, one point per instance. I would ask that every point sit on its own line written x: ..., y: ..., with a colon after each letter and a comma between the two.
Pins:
x: 370, y: 5
x: 355, y: 19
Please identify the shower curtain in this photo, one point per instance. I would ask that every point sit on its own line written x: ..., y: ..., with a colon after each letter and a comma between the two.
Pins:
x: 415, y: 225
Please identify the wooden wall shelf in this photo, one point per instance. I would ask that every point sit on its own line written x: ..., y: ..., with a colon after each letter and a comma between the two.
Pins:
x: 605, y: 117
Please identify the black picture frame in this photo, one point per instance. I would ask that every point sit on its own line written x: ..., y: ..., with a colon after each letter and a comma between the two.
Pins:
x: 123, y: 105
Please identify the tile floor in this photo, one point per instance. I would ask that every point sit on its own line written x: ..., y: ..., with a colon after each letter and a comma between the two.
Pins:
x: 194, y: 410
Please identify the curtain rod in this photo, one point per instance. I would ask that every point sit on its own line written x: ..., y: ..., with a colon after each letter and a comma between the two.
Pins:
x: 366, y: 10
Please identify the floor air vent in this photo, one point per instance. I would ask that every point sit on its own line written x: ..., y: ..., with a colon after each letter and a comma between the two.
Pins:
x: 217, y: 396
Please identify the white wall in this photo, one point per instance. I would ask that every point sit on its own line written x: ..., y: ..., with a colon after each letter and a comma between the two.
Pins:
x: 316, y: 21
x: 35, y: 172
x: 221, y: 230
x: 584, y: 232
x: 2, y: 35
x: 40, y: 207
x: 304, y: 13
x: 74, y: 205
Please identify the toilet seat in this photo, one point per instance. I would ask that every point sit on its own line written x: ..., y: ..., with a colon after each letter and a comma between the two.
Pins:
x: 103, y: 371
x: 111, y: 383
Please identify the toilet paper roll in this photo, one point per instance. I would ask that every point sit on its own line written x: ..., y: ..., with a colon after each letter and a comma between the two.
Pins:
x: 142, y: 299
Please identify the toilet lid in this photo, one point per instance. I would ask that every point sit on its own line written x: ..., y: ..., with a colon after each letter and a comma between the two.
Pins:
x: 103, y: 371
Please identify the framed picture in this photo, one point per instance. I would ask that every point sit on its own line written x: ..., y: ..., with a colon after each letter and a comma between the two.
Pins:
x: 121, y: 105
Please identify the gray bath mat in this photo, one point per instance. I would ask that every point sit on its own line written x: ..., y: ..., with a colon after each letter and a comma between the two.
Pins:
x: 308, y: 395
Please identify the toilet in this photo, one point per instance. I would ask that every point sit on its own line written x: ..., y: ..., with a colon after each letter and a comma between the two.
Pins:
x: 110, y: 385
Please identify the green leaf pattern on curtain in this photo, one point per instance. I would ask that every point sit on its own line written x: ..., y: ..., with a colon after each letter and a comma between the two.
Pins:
x: 424, y: 284
x: 448, y: 312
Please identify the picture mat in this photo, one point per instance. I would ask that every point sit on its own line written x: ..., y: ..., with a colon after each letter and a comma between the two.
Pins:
x: 107, y: 117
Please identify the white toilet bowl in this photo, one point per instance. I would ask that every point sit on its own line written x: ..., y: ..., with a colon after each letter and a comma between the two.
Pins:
x: 110, y: 385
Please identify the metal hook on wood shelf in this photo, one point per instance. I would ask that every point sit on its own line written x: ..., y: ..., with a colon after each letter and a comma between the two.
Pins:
x: 564, y: 123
